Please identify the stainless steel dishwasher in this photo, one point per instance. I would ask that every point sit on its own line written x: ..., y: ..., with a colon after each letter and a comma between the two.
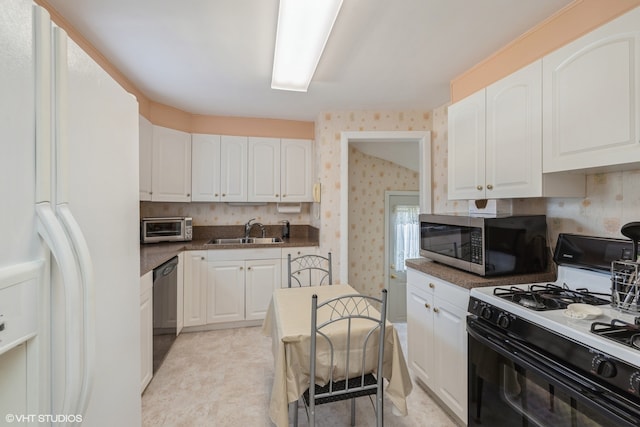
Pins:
x: 165, y: 310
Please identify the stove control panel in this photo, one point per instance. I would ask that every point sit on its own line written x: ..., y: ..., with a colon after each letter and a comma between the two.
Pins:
x: 603, y: 367
x: 634, y: 383
x: 490, y: 313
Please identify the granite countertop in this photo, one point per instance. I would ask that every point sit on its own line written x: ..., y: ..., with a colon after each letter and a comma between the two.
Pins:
x: 468, y: 280
x: 154, y: 254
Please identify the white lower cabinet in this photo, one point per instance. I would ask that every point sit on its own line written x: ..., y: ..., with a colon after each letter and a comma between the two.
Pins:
x: 437, y: 338
x: 195, y: 288
x: 146, y: 329
x: 229, y: 285
x: 225, y: 291
x: 262, y: 277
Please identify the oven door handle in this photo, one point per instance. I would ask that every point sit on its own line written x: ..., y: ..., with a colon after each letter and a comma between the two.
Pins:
x: 552, y: 371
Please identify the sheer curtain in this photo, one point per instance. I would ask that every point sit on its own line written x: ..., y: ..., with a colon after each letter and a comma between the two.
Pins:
x: 407, y: 244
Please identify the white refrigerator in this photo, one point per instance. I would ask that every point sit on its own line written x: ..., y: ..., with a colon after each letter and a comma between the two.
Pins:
x: 69, y: 245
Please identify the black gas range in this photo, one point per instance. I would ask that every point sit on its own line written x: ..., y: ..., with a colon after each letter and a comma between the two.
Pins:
x: 531, y: 362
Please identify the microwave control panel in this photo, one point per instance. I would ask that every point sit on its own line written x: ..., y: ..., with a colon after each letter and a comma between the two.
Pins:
x: 476, y: 246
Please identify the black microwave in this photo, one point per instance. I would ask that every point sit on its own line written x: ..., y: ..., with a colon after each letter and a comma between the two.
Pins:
x: 487, y: 246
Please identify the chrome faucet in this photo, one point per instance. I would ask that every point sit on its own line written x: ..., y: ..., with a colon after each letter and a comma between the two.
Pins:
x: 248, y: 226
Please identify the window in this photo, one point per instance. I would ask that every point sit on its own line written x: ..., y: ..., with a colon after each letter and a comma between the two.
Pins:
x: 407, y: 231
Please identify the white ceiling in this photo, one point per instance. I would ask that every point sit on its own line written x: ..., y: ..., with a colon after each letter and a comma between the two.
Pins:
x: 214, y: 57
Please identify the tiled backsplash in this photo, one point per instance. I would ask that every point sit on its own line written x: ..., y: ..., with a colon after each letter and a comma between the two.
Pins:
x: 225, y: 214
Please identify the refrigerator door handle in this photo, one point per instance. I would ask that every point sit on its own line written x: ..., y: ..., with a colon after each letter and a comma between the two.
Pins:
x: 85, y: 264
x: 69, y: 223
x: 54, y: 236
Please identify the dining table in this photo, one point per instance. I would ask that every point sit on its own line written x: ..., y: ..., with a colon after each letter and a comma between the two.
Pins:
x: 288, y: 323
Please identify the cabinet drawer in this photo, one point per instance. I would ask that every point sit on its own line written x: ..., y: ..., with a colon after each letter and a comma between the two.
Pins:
x: 243, y: 254
x: 447, y: 291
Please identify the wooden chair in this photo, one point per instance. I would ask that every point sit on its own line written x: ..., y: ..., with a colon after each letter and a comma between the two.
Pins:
x: 309, y: 270
x: 350, y: 311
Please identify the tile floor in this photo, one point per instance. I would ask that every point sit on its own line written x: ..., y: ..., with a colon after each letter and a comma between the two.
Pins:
x: 223, y: 378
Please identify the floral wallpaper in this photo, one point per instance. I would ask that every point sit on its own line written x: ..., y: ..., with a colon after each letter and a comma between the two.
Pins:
x: 329, y: 126
x: 369, y: 178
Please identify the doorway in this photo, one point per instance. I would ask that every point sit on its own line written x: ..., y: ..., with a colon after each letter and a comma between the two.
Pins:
x: 424, y: 154
x: 402, y: 242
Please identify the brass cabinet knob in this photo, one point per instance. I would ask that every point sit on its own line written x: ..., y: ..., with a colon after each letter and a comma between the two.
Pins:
x: 427, y: 306
x: 215, y: 195
x: 436, y: 310
x: 393, y: 276
x: 202, y: 258
x: 489, y: 187
x: 431, y: 285
x: 241, y: 268
x: 224, y: 195
x: 276, y: 195
x: 284, y: 195
x: 479, y: 187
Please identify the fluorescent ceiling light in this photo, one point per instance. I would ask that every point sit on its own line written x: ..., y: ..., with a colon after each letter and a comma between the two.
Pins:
x: 303, y: 31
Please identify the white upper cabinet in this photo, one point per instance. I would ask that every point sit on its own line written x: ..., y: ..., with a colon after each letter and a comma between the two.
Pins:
x: 296, y: 170
x: 171, y: 168
x: 264, y: 170
x: 592, y: 99
x: 205, y: 168
x: 146, y: 143
x: 233, y: 168
x: 495, y: 143
x: 513, y: 155
x: 467, y: 139
x: 280, y: 170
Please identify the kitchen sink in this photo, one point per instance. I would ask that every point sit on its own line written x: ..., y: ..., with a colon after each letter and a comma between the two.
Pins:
x: 245, y: 241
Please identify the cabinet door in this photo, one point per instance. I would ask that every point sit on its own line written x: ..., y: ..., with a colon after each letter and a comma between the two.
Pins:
x: 146, y: 157
x: 225, y: 291
x: 420, y: 332
x: 296, y: 170
x: 592, y: 98
x: 205, y: 168
x: 450, y: 355
x: 261, y: 279
x: 180, y: 296
x: 513, y: 158
x: 171, y: 168
x: 195, y: 288
x: 466, y: 164
x: 146, y: 330
x: 233, y: 168
x: 264, y: 170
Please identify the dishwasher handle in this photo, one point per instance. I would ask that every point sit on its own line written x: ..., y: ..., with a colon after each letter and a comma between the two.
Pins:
x: 165, y: 269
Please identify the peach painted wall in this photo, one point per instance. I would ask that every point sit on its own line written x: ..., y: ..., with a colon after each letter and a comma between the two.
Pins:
x: 573, y: 21
x: 167, y: 116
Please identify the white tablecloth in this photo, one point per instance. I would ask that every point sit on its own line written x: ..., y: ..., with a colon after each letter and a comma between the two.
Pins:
x: 288, y: 322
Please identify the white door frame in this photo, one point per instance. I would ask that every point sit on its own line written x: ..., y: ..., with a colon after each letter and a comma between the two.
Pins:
x: 423, y: 138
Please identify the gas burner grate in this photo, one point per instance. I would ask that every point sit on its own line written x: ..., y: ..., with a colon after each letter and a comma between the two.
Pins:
x: 619, y: 331
x: 550, y: 297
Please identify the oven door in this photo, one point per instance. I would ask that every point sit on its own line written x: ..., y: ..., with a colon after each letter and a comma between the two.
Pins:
x: 512, y: 384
